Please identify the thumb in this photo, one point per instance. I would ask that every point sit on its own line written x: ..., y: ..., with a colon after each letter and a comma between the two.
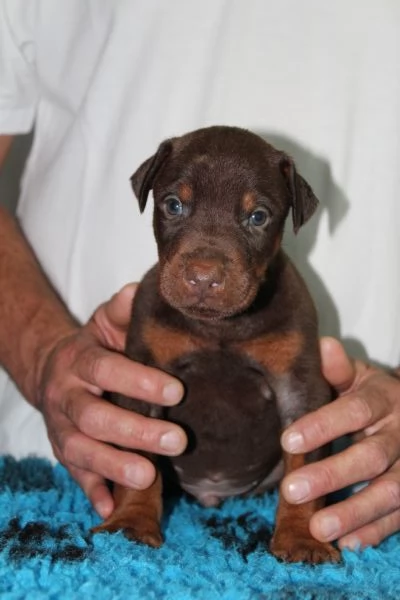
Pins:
x: 118, y: 309
x: 338, y: 369
x: 110, y: 321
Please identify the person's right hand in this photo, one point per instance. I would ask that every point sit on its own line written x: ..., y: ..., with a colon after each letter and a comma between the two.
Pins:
x: 82, y: 426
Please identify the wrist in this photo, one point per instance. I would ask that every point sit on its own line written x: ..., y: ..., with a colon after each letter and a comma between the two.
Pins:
x: 33, y: 318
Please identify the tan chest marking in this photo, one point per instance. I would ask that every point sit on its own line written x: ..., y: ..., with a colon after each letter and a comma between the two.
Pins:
x: 167, y: 344
x: 275, y: 351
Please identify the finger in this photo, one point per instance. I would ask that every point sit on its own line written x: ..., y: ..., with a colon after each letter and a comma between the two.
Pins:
x: 364, y: 461
x: 377, y: 500
x: 372, y: 534
x: 347, y: 414
x: 128, y: 469
x: 337, y: 368
x: 96, y: 489
x: 105, y: 422
x: 116, y: 373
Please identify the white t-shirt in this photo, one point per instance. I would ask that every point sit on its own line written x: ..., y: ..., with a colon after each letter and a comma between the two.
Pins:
x: 105, y: 82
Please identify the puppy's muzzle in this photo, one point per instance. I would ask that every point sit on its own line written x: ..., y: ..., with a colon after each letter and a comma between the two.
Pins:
x: 203, y: 277
x: 207, y: 283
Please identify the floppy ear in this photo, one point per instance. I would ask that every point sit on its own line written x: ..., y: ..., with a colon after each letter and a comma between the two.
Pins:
x: 142, y: 180
x: 303, y: 200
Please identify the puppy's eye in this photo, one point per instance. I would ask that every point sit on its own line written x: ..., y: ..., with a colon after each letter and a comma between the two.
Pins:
x: 173, y: 206
x: 258, y: 218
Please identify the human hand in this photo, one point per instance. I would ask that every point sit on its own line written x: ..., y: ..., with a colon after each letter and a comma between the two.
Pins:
x: 81, y: 425
x: 369, y: 405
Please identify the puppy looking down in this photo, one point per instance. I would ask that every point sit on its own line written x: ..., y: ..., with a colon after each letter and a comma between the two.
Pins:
x: 226, y: 312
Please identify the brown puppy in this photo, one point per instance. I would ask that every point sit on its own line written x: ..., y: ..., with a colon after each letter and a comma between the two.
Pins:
x: 226, y: 312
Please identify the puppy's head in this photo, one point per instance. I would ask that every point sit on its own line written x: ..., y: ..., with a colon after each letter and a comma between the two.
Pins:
x: 221, y: 197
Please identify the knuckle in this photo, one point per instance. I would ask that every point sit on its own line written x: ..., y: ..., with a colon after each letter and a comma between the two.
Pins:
x: 148, y: 385
x: 144, y: 435
x: 360, y: 413
x: 98, y: 369
x: 320, y: 429
x: 69, y: 447
x: 139, y: 433
x: 374, y: 453
x: 390, y: 489
x: 90, y: 419
x: 124, y: 428
x: 50, y: 393
x: 71, y: 405
x: 327, y: 479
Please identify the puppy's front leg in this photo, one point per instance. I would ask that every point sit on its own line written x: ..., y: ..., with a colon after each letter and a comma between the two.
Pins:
x: 292, y: 540
x: 302, y: 391
x: 137, y: 513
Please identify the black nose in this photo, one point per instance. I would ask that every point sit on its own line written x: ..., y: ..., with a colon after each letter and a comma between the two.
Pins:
x: 204, y: 275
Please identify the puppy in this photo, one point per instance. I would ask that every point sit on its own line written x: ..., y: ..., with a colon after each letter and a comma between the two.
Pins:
x: 226, y: 312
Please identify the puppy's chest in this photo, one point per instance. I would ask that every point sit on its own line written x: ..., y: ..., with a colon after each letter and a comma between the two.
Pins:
x: 230, y: 410
x: 230, y: 415
x: 273, y: 351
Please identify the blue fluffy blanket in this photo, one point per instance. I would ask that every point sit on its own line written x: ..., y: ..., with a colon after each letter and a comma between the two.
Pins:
x: 46, y: 550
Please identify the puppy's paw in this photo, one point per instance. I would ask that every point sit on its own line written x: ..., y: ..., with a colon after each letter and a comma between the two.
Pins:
x: 289, y: 548
x: 138, y: 529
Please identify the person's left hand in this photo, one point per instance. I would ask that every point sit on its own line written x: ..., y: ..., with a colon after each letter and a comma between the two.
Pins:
x: 369, y: 405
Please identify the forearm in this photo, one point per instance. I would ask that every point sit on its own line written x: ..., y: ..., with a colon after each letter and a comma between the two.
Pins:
x: 32, y: 317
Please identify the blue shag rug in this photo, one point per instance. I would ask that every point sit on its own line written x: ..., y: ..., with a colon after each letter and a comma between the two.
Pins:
x: 46, y: 550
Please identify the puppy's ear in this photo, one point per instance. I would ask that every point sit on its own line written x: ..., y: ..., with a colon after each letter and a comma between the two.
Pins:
x: 303, y: 200
x: 142, y: 180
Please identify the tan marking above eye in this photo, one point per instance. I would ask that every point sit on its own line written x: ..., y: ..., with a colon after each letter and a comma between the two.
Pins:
x: 275, y: 351
x: 249, y: 202
x: 185, y: 192
x: 167, y: 344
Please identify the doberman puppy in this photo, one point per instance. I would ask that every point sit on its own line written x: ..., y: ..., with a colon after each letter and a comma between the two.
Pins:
x: 226, y: 312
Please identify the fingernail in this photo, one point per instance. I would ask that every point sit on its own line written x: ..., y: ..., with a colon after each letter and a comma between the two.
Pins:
x: 351, y: 543
x: 103, y: 508
x: 172, y: 393
x: 171, y: 442
x: 135, y: 476
x: 329, y: 527
x: 292, y: 442
x: 298, y: 489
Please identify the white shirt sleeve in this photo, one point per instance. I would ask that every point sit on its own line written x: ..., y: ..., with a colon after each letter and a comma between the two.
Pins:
x: 18, y: 81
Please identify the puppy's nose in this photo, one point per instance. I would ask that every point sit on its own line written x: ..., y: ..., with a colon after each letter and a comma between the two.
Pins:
x: 204, y: 275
